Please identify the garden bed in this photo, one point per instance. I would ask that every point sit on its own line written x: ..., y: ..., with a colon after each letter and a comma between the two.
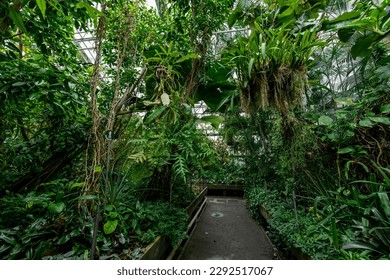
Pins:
x: 161, y: 247
x: 296, y: 252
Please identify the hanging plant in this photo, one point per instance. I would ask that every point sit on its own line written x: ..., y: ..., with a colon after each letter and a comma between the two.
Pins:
x: 271, y: 66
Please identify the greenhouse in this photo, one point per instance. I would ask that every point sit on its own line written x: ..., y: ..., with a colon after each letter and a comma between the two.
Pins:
x: 195, y: 130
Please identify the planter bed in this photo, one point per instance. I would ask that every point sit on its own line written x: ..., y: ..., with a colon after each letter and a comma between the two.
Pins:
x: 296, y: 252
x: 161, y: 247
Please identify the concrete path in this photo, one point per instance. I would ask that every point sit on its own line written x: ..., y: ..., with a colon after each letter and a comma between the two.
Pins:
x: 226, y: 231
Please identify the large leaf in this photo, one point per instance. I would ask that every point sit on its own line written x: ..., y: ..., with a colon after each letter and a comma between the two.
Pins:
x: 110, y: 226
x: 362, y: 46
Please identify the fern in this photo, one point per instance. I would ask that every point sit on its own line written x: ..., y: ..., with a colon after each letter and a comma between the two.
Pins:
x: 180, y: 168
x: 138, y: 157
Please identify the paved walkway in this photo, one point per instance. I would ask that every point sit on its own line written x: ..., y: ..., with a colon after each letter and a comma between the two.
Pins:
x: 226, y: 231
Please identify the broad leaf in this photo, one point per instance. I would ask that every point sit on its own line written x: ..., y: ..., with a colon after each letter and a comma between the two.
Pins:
x: 385, y: 109
x: 325, y: 120
x: 110, y: 226
x: 362, y: 46
x: 56, y: 207
x: 98, y: 169
x: 366, y: 122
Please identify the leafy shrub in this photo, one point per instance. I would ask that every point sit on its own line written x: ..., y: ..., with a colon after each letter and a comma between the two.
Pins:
x: 289, y: 229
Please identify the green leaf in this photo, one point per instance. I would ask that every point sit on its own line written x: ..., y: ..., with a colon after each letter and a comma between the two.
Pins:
x: 384, y: 120
x: 42, y: 6
x: 4, y: 88
x: 18, y: 84
x: 345, y: 34
x: 234, y: 16
x: 346, y: 150
x: 110, y: 226
x: 92, y: 12
x: 366, y: 122
x: 362, y: 46
x: 87, y: 197
x: 7, y: 239
x: 250, y: 65
x: 385, y: 109
x: 325, y: 120
x: 335, y: 234
x: 187, y: 57
x: 348, y: 24
x: 76, y: 185
x: 360, y: 245
x: 263, y: 50
x: 56, y: 207
x: 214, y: 120
x: 113, y: 215
x: 347, y: 16
x: 344, y: 101
x: 288, y: 12
x: 383, y: 197
x: 17, y: 19
x: 98, y: 169
x: 155, y: 114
